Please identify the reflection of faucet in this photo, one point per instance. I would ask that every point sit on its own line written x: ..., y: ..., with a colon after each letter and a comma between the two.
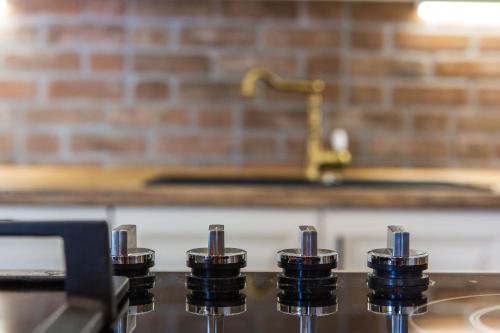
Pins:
x: 318, y: 157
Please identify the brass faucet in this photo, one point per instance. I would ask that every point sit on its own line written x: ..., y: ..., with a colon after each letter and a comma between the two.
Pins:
x: 318, y: 157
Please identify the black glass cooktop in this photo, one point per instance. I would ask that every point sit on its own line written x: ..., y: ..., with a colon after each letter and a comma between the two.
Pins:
x: 455, y: 303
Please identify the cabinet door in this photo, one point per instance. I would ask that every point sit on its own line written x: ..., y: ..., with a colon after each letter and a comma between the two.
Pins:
x: 456, y: 240
x: 40, y: 253
x: 172, y: 231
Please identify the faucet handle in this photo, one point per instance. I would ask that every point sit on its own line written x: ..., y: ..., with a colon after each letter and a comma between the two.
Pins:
x: 339, y: 139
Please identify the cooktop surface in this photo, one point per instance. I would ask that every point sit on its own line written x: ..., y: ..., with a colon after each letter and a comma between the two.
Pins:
x: 453, y: 303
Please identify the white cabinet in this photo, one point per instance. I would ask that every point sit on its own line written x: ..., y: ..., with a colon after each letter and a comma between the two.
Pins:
x: 40, y: 253
x: 172, y: 231
x: 457, y: 240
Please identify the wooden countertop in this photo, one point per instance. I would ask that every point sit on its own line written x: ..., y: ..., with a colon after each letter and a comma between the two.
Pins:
x: 63, y: 185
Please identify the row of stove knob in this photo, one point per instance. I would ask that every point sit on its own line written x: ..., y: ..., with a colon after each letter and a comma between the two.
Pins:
x: 307, y: 284
x: 395, y: 268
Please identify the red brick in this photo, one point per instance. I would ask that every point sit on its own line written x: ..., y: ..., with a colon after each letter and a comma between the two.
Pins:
x: 479, y: 122
x: 331, y: 92
x: 239, y: 63
x: 383, y: 66
x: 427, y: 95
x: 430, y: 121
x: 275, y: 119
x: 296, y: 147
x: 85, y: 89
x: 7, y: 117
x: 364, y: 94
x: 172, y: 63
x: 372, y: 39
x: 489, y: 96
x: 383, y: 11
x: 108, y: 7
x: 210, y: 91
x: 152, y: 90
x: 382, y: 119
x: 150, y: 36
x: 107, y: 34
x: 106, y: 143
x: 64, y: 116
x: 259, y: 9
x: 17, y: 89
x: 408, y: 147
x: 469, y: 68
x: 42, y: 143
x: 195, y: 145
x: 302, y: 37
x: 319, y: 66
x: 6, y: 147
x: 30, y: 7
x: 430, y: 42
x: 175, y: 8
x: 479, y: 149
x: 216, y: 118
x: 22, y: 34
x: 107, y: 62
x: 218, y: 36
x: 323, y: 10
x: 490, y: 43
x: 255, y: 146
x: 149, y: 117
x: 45, y: 60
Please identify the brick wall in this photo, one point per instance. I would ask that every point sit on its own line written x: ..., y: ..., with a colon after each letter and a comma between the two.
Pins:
x: 157, y: 82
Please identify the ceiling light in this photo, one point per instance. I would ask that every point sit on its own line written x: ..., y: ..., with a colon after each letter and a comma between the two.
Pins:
x: 461, y: 12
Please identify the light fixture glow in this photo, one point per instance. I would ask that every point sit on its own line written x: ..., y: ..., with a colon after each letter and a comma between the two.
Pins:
x: 462, y: 12
x: 3, y: 5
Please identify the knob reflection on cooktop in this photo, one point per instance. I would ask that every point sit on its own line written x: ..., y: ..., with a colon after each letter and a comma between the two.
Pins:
x: 467, y: 302
x: 453, y: 303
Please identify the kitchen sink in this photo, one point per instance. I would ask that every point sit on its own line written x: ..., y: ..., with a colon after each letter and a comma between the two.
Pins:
x: 297, y: 182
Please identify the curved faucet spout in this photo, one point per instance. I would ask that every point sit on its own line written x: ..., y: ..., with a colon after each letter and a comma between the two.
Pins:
x: 318, y: 157
x: 254, y: 75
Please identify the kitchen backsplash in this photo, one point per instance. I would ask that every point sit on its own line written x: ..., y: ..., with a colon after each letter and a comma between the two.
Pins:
x: 157, y: 82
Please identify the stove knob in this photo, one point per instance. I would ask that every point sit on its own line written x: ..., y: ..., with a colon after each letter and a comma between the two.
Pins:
x: 306, y: 283
x: 131, y: 261
x: 398, y: 269
x: 215, y: 270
